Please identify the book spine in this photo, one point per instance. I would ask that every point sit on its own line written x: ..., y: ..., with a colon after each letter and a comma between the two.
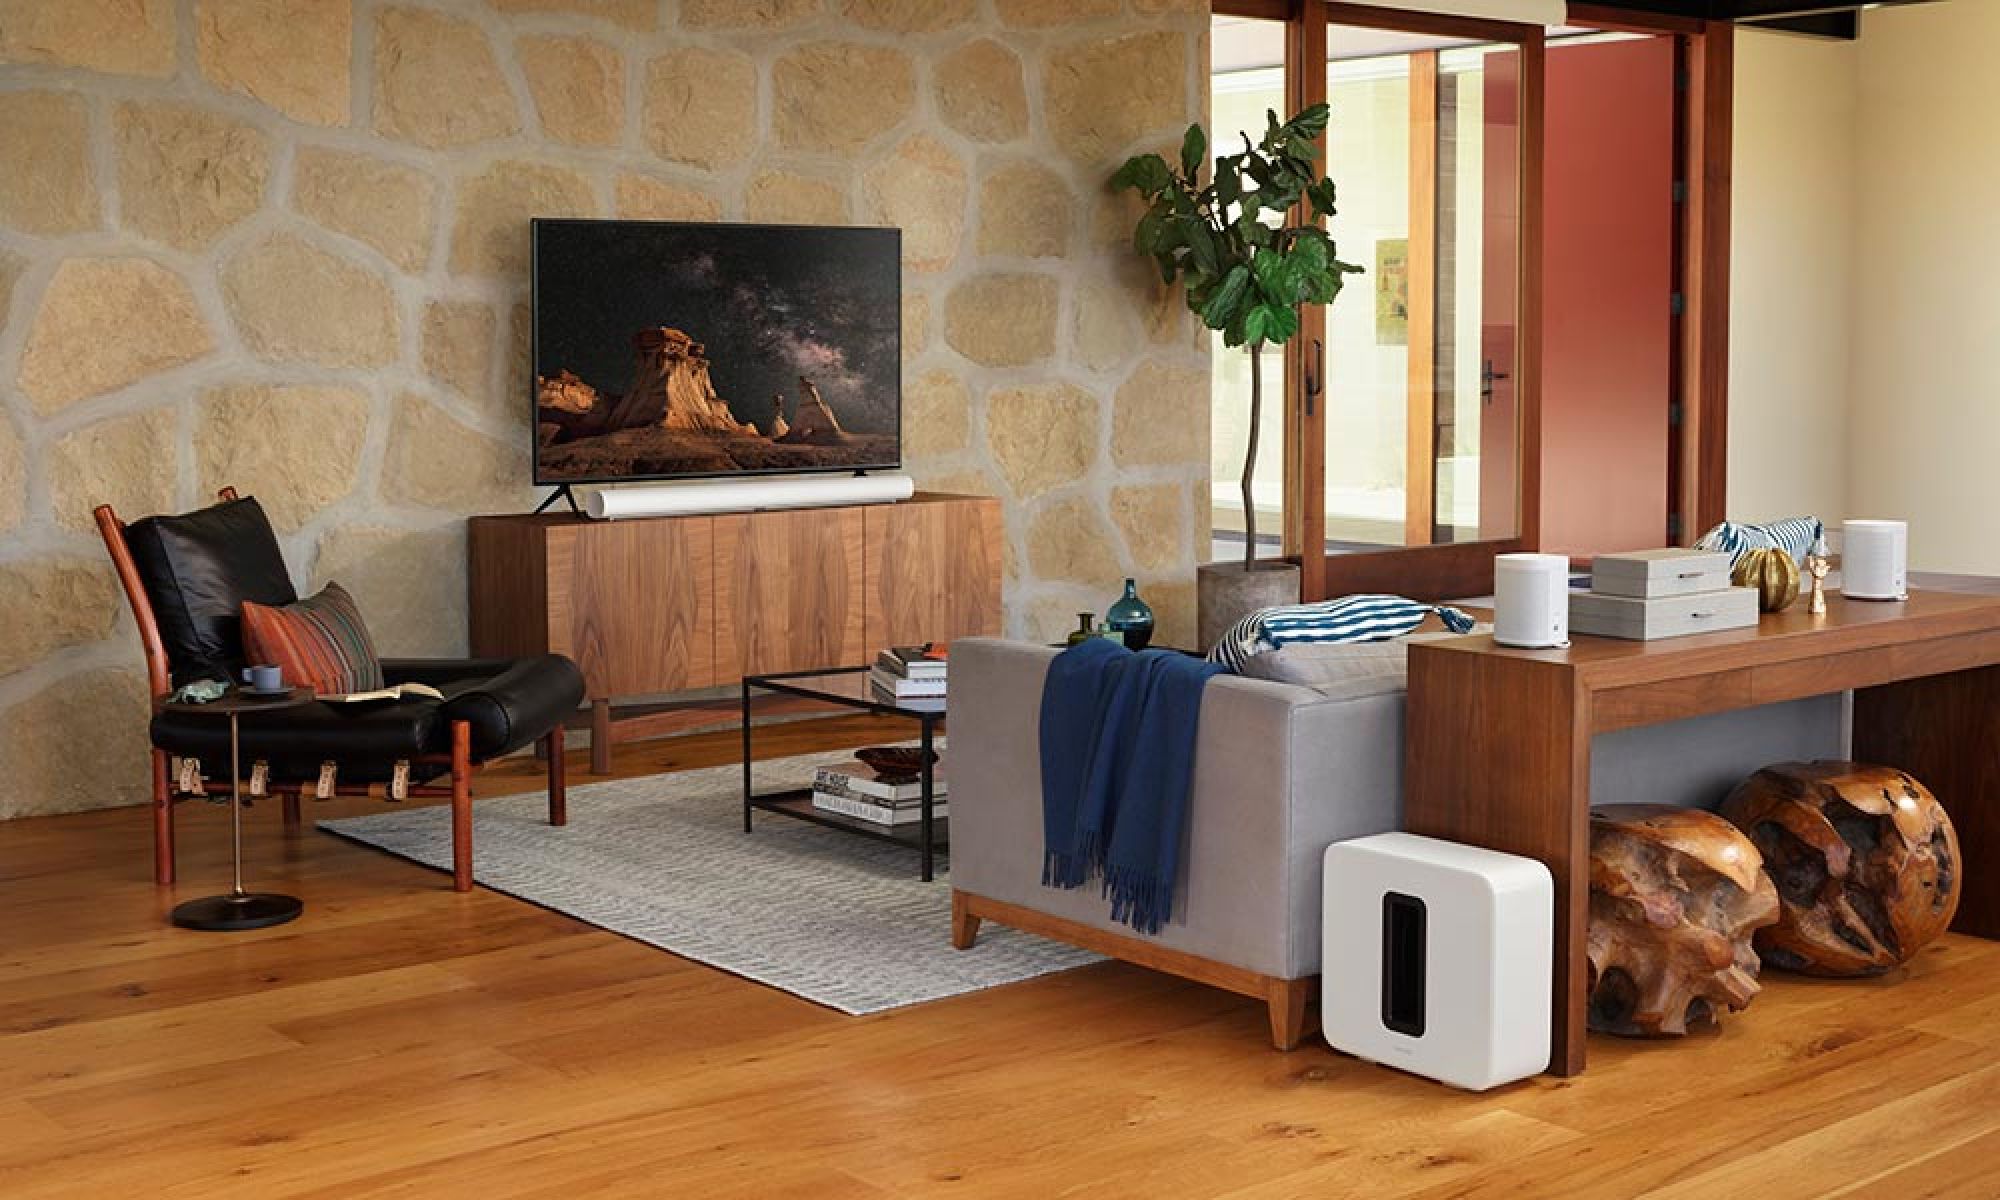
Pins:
x: 864, y: 790
x: 877, y: 814
x: 908, y: 689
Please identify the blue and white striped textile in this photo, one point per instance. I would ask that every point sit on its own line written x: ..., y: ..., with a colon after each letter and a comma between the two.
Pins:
x: 1363, y: 618
x: 1795, y: 535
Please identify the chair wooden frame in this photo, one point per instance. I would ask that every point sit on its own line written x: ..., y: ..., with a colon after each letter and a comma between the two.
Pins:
x: 159, y: 682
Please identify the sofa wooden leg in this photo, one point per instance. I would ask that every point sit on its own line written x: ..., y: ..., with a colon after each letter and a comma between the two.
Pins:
x: 1286, y: 999
x: 163, y: 822
x: 461, y: 806
x: 290, y: 802
x: 558, y: 796
x: 964, y: 922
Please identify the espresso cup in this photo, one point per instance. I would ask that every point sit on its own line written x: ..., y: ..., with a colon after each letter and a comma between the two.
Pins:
x: 266, y: 678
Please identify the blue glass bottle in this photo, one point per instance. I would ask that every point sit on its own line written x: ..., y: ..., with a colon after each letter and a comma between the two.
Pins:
x: 1131, y: 617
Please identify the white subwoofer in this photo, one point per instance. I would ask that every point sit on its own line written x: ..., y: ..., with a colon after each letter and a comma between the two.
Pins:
x: 1436, y: 958
x: 1875, y: 560
x: 1531, y: 600
x: 748, y: 495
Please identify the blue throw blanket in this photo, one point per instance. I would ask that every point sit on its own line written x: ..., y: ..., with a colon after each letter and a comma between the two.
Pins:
x: 1118, y: 737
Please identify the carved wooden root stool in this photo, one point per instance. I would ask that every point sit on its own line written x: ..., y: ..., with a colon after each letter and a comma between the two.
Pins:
x: 1864, y: 858
x: 1675, y: 896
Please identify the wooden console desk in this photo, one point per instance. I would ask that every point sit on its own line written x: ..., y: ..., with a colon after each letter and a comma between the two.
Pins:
x: 1499, y: 739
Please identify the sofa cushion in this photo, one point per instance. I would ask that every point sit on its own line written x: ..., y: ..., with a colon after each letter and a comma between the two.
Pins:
x: 1345, y: 619
x: 1344, y: 670
x: 198, y: 568
x: 1794, y: 535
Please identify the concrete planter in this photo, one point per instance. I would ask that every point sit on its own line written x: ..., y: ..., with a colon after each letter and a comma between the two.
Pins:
x: 1225, y: 593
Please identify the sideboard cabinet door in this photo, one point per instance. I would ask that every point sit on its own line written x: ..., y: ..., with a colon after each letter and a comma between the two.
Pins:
x: 788, y: 591
x: 632, y: 603
x: 933, y: 570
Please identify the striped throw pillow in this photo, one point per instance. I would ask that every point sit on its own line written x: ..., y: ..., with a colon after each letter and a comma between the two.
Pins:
x: 1795, y: 535
x: 1365, y: 618
x: 319, y: 642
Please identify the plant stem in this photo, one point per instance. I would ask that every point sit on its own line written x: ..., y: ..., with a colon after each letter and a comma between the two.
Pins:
x: 1250, y: 456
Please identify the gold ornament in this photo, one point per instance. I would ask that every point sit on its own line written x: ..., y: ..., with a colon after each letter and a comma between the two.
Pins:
x: 1819, y: 561
x: 1773, y: 573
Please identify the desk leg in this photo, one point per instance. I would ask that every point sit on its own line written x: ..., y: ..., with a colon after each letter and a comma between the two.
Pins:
x: 1945, y: 731
x: 1498, y: 755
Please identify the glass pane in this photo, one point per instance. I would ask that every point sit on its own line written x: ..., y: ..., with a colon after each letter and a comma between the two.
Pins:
x: 1367, y: 328
x: 1247, y: 57
x: 1422, y: 345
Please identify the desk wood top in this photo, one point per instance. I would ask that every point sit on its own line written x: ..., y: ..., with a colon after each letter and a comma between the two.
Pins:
x: 1846, y: 626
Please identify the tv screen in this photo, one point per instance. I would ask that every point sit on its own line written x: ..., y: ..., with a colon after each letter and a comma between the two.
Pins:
x: 673, y: 351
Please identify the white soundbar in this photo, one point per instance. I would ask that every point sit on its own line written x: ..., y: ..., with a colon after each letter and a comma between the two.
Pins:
x: 747, y: 495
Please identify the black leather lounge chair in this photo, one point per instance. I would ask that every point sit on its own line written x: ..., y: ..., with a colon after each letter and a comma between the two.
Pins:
x: 187, y: 577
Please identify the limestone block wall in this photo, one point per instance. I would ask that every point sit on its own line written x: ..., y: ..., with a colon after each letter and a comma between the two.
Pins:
x: 283, y: 244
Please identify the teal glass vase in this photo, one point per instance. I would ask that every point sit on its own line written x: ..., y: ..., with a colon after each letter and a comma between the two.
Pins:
x: 1132, y: 618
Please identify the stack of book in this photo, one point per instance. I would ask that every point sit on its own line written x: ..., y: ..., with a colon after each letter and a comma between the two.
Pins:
x: 851, y: 789
x: 910, y: 672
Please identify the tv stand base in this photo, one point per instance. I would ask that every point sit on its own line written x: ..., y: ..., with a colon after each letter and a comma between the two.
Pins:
x: 562, y: 493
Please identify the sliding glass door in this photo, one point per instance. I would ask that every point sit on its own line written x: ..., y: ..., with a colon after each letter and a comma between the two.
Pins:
x: 1410, y: 400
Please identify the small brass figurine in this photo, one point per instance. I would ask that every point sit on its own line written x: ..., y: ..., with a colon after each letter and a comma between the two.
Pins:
x: 1819, y: 560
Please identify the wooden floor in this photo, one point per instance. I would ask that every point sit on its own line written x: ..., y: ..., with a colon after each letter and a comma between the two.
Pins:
x: 400, y: 1040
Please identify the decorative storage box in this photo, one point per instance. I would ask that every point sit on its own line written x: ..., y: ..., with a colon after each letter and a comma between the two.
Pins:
x: 1643, y: 620
x: 1646, y: 574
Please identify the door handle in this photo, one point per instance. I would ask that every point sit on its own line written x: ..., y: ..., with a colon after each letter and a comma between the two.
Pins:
x: 1315, y: 372
x: 1487, y: 378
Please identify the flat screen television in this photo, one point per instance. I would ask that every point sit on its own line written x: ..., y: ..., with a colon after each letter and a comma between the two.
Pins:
x: 665, y: 350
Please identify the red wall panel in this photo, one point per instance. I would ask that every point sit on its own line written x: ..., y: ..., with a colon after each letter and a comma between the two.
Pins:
x: 1608, y: 278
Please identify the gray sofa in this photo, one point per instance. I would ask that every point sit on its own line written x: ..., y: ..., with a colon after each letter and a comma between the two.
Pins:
x: 1281, y: 771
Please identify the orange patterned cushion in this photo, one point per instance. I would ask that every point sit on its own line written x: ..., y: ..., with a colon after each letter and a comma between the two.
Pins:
x: 319, y: 642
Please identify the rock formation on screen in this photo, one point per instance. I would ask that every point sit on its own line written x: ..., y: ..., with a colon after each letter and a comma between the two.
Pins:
x: 814, y: 423
x: 671, y: 389
x: 567, y: 407
x: 775, y: 427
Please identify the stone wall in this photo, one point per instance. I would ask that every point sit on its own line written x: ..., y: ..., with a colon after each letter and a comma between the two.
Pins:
x: 282, y: 244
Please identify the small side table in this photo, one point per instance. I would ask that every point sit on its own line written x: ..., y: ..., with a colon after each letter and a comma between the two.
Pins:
x: 238, y: 909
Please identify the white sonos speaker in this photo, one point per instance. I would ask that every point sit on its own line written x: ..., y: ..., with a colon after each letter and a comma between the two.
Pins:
x: 748, y: 495
x: 1531, y: 600
x: 1875, y: 560
x: 1436, y: 958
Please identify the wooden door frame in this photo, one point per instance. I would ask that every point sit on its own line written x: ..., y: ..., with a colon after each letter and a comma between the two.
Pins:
x: 1700, y: 460
x: 1421, y: 570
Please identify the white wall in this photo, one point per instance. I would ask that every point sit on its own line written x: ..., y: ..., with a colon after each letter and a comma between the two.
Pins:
x: 1791, y: 277
x: 1865, y: 293
x: 1925, y: 406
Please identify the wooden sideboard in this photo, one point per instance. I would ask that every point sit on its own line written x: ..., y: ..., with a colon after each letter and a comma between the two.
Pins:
x: 653, y: 606
x: 1499, y: 740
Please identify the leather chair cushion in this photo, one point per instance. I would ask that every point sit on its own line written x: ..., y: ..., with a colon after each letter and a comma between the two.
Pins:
x: 198, y: 568
x: 513, y: 708
x: 508, y: 703
x: 366, y: 740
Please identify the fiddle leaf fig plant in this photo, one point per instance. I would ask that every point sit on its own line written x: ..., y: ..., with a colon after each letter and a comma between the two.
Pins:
x: 1245, y: 271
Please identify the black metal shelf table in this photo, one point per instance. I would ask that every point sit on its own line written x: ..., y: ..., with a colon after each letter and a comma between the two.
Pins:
x: 849, y: 687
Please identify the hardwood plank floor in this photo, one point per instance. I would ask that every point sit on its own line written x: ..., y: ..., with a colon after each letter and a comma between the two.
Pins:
x: 403, y: 1041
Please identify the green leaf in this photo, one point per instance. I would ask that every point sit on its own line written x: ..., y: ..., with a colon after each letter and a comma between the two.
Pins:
x: 1194, y: 148
x: 1225, y: 302
x: 1201, y: 246
x: 1311, y: 121
x: 1281, y: 321
x: 1148, y: 173
x: 1253, y: 327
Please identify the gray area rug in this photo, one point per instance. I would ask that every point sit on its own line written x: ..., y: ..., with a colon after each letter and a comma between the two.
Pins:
x: 839, y: 920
